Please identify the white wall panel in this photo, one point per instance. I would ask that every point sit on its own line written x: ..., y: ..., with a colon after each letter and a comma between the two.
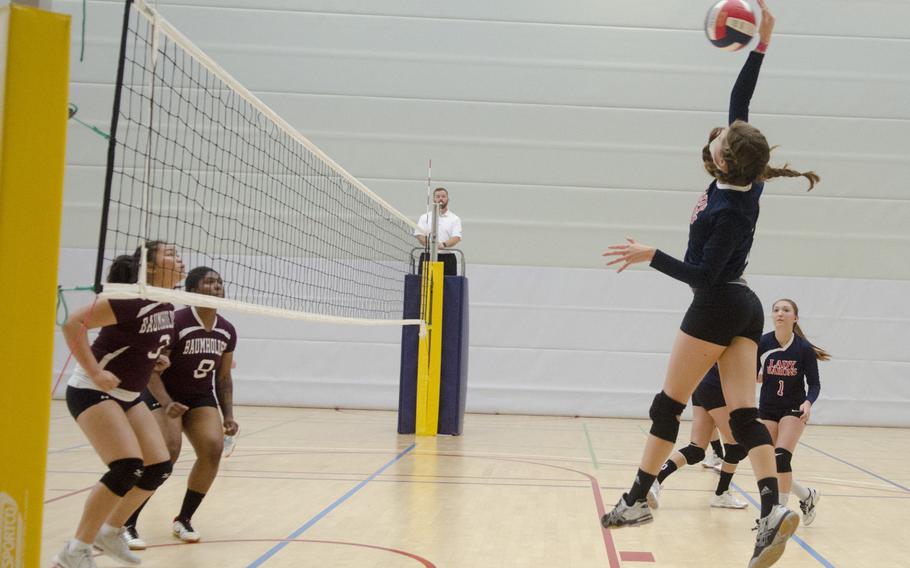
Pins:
x: 560, y: 128
x: 570, y: 341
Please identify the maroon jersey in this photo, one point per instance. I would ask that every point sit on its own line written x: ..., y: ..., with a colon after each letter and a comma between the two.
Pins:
x: 196, y: 355
x: 130, y: 347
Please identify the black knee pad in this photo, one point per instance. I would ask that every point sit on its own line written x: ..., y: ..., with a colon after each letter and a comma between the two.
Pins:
x: 665, y: 414
x: 122, y: 475
x: 734, y: 453
x: 783, y: 460
x: 693, y: 454
x: 155, y: 475
x: 748, y: 431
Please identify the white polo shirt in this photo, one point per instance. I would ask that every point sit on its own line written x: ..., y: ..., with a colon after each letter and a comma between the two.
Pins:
x: 449, y: 226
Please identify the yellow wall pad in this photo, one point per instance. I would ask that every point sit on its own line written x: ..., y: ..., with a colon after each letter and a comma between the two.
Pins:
x: 429, y: 359
x: 32, y: 153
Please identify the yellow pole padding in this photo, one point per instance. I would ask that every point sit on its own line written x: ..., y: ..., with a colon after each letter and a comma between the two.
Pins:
x: 429, y: 359
x: 32, y: 152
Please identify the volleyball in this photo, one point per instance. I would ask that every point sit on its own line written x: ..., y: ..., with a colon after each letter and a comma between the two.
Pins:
x: 730, y: 24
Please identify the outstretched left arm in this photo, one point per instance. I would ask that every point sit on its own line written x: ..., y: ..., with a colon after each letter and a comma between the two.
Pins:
x: 745, y: 84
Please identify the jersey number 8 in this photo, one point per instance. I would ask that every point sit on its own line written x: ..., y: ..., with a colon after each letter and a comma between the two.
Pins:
x: 205, y: 367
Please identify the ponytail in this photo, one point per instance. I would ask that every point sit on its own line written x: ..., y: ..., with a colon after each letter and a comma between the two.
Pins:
x: 820, y: 353
x: 123, y: 270
x: 746, y: 153
x: 785, y: 171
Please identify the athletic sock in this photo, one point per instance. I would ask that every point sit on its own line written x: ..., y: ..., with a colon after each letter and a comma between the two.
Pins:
x: 76, y: 545
x: 767, y: 489
x: 718, y: 448
x: 134, y: 518
x: 191, y: 502
x: 643, y: 482
x: 784, y: 497
x: 107, y: 529
x: 723, y: 484
x: 801, y: 492
x: 665, y: 470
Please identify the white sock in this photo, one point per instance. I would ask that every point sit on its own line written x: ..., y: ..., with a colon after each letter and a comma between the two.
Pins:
x: 107, y: 529
x: 801, y: 492
x: 76, y: 545
x: 783, y: 498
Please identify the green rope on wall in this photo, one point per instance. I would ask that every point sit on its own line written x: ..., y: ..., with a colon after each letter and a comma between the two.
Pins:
x: 73, y: 109
x: 84, y: 14
x: 61, y: 300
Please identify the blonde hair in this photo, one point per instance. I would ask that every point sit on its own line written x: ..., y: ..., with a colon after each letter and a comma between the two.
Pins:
x: 746, y: 153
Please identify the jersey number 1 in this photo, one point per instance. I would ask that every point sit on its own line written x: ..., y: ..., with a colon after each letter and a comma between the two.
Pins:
x: 780, y: 391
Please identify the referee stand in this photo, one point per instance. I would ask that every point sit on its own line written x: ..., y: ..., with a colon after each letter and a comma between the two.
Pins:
x: 434, y: 367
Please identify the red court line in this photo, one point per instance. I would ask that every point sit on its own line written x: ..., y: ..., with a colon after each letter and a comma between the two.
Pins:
x: 636, y: 556
x: 426, y: 563
x: 70, y: 494
x: 610, y: 546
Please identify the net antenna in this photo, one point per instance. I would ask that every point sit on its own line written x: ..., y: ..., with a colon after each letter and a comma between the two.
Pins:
x: 196, y: 160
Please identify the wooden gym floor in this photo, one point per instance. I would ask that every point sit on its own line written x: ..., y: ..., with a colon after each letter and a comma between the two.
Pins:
x: 327, y: 488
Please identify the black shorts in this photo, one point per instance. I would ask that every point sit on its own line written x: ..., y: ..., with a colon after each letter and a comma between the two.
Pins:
x: 719, y: 314
x: 149, y: 399
x: 79, y: 400
x: 775, y: 414
x: 708, y: 396
x: 448, y: 260
x: 191, y: 402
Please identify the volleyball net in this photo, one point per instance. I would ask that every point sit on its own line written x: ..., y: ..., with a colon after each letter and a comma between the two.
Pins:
x: 198, y: 161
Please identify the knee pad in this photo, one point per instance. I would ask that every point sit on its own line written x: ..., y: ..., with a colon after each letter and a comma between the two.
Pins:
x: 122, y: 475
x: 783, y: 458
x: 665, y: 413
x: 693, y: 454
x: 734, y: 453
x: 748, y: 431
x: 155, y: 475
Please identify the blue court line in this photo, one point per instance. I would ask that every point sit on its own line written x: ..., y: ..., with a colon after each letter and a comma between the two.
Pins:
x: 875, y: 475
x: 274, y: 550
x: 812, y: 552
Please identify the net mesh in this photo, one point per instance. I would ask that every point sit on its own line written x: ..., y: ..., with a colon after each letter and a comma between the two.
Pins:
x: 198, y: 161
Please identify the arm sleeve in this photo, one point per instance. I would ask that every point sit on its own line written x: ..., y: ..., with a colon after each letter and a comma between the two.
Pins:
x: 232, y: 342
x: 125, y: 310
x: 762, y: 348
x: 456, y: 228
x: 745, y: 87
x: 810, y: 364
x: 725, y: 237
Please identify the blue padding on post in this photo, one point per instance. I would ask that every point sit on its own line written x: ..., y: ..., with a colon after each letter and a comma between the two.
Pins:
x: 454, y: 379
x: 407, y: 385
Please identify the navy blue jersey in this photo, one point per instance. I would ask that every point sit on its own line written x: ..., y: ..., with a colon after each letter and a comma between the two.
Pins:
x: 724, y: 219
x: 786, y: 372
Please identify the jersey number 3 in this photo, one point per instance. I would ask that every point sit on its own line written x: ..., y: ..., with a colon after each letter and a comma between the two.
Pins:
x: 164, y: 342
